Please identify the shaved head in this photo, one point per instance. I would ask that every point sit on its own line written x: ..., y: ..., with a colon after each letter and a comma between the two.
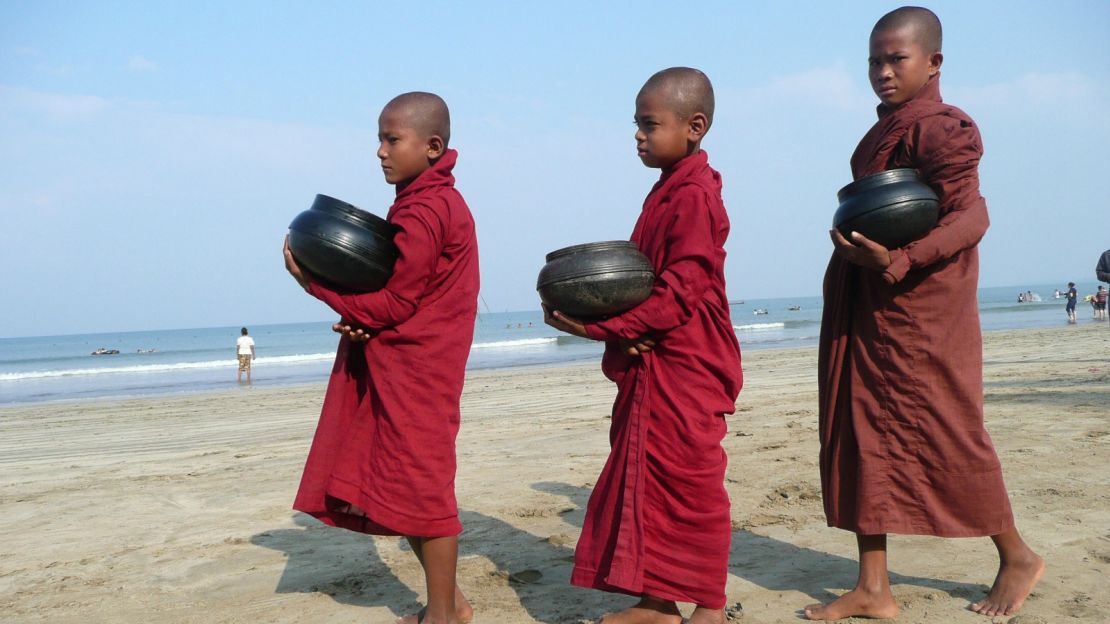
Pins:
x: 687, y: 91
x: 924, y: 24
x: 424, y: 112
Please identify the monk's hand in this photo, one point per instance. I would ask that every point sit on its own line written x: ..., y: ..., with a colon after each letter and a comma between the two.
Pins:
x: 354, y: 333
x: 861, y: 250
x: 294, y: 268
x: 564, y: 323
x: 638, y: 346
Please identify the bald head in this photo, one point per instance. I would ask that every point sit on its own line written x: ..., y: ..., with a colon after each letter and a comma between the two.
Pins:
x: 424, y: 112
x: 923, y: 23
x: 687, y: 91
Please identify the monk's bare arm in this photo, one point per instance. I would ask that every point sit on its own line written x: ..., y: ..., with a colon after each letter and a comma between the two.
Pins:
x: 947, y: 150
x: 419, y: 241
x: 681, y: 286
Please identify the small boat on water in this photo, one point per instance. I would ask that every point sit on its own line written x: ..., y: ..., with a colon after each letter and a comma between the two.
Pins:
x: 759, y: 311
x: 103, y: 351
x: 794, y: 308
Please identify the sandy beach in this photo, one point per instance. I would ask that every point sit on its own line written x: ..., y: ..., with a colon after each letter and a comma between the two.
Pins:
x: 177, y: 509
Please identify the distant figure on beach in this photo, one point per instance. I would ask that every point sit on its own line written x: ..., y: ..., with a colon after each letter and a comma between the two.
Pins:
x: 1100, y: 303
x: 383, y: 458
x: 657, y: 524
x: 244, y: 350
x: 903, y: 446
x: 1072, y: 297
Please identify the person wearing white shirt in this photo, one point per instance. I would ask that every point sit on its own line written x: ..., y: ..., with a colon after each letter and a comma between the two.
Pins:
x: 244, y: 349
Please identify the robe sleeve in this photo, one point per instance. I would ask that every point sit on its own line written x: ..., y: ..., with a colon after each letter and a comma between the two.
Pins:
x: 419, y: 241
x: 683, y: 280
x: 947, y: 150
x: 1102, y: 271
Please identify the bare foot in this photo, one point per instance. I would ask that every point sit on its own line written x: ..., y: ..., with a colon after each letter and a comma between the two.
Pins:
x: 857, y: 603
x: 702, y: 615
x: 464, y: 612
x: 648, y: 611
x: 1016, y: 578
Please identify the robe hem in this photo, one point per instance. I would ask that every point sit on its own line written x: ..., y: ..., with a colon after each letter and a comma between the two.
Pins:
x: 592, y: 579
x: 379, y: 519
x: 903, y: 529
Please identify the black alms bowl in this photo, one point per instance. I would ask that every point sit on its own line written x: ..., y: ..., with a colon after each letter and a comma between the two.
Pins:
x: 347, y: 248
x: 892, y: 208
x: 595, y: 279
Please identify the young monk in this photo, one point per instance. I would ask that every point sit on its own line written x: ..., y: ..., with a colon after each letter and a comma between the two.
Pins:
x: 903, y: 447
x: 383, y: 459
x: 657, y: 524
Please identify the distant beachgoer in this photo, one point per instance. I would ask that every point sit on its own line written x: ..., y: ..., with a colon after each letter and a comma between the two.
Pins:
x: 1100, y: 303
x: 1021, y: 297
x: 244, y: 349
x: 1072, y: 296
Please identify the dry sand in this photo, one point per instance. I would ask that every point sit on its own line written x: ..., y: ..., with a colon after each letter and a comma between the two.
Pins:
x: 177, y: 509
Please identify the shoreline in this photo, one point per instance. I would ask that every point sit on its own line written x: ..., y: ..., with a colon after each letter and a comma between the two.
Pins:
x: 178, y: 509
x: 322, y: 382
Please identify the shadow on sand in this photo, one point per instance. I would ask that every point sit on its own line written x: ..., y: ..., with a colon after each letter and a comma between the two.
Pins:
x: 347, y: 566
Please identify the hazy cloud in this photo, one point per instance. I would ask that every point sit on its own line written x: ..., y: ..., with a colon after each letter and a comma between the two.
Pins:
x: 56, y: 106
x: 139, y: 63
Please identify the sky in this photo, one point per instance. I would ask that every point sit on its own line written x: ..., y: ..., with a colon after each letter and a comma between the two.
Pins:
x: 152, y: 154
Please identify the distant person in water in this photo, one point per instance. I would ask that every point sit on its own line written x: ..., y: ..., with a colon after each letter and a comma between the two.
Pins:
x: 1072, y: 296
x: 244, y: 350
x: 1100, y: 303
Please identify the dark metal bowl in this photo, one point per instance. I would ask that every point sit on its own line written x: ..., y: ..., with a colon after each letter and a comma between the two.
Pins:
x: 347, y: 248
x: 893, y: 208
x: 596, y: 279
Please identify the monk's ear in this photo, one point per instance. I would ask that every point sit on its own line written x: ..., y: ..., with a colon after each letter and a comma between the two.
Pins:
x: 935, y: 61
x: 436, y: 147
x: 697, y: 126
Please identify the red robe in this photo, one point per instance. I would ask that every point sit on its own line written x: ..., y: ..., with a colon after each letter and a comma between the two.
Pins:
x: 658, y: 519
x: 903, y: 447
x: 383, y: 459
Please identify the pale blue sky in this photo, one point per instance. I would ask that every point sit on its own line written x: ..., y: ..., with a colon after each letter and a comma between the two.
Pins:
x: 152, y: 154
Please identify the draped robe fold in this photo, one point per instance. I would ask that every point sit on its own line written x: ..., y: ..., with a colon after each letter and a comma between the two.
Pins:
x: 658, y: 519
x: 903, y: 446
x: 383, y: 457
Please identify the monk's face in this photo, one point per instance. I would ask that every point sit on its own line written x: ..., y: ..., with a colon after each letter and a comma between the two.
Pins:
x: 898, y: 65
x: 662, y: 137
x: 404, y: 150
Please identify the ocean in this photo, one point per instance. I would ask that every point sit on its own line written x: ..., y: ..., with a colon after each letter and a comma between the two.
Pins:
x: 54, y: 368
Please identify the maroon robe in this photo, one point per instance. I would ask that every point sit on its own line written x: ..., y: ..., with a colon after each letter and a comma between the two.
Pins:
x: 383, y: 459
x: 658, y: 519
x: 903, y: 447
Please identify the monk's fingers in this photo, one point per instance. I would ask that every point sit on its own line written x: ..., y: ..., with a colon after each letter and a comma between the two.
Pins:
x: 839, y: 241
x: 570, y: 324
x: 642, y: 347
x: 876, y: 248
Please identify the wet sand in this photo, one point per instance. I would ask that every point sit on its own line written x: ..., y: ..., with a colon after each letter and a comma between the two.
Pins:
x: 177, y: 509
